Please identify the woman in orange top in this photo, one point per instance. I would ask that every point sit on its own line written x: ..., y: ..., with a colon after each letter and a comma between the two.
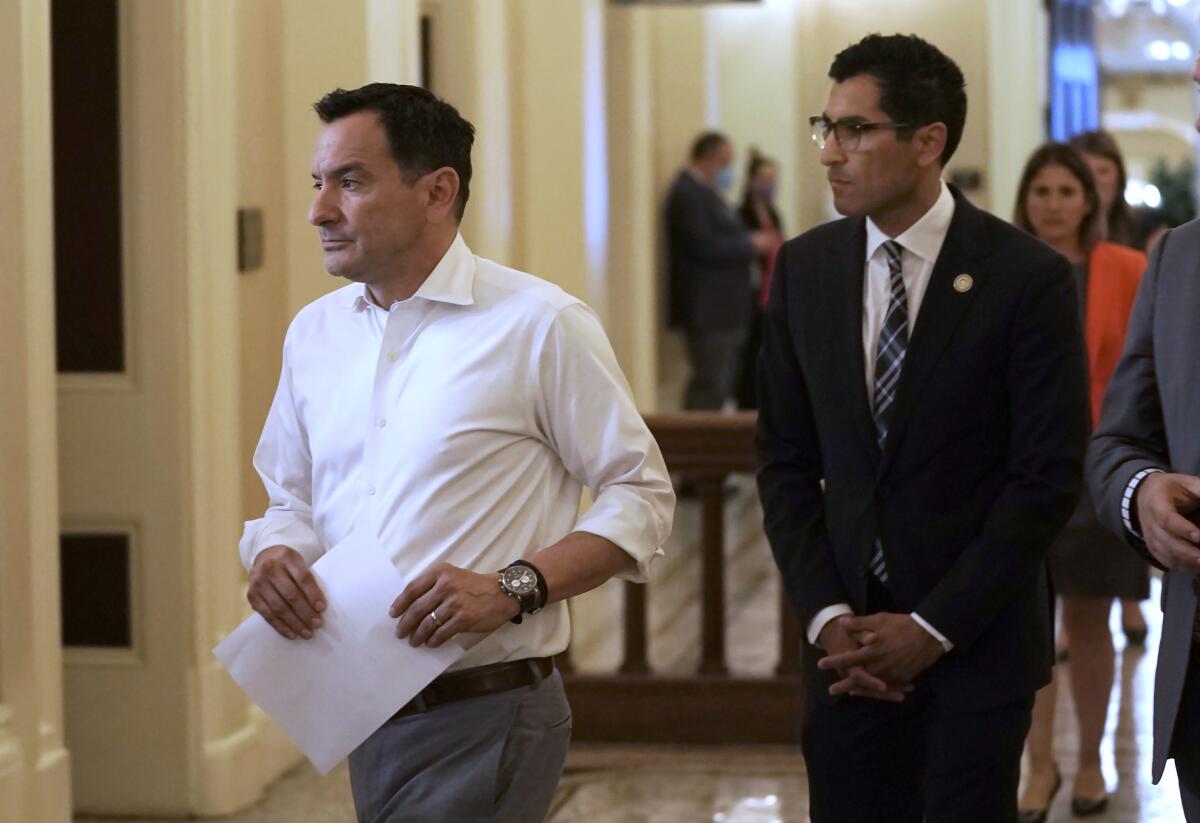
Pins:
x: 1057, y: 201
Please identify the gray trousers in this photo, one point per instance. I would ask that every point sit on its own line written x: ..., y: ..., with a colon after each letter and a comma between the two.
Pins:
x: 715, y: 358
x: 492, y: 758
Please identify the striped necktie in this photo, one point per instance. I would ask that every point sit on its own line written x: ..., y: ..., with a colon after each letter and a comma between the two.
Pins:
x: 889, y: 360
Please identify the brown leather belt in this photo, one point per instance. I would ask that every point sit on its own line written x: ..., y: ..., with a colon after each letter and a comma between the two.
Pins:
x: 479, y: 681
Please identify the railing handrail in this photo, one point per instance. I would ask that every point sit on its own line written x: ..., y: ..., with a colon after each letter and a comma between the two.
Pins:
x: 705, y: 443
x: 636, y: 704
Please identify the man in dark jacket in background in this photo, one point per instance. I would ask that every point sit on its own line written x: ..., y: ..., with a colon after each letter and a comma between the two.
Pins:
x: 710, y: 254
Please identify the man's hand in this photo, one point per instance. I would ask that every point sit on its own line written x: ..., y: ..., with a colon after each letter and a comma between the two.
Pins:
x: 446, y: 600
x: 285, y: 593
x: 1163, y: 503
x: 837, y: 640
x: 893, y: 648
x: 763, y: 241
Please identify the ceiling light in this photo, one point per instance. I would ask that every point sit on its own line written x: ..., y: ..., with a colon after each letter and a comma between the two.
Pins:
x: 1134, y: 193
x: 1159, y: 50
x: 1181, y: 50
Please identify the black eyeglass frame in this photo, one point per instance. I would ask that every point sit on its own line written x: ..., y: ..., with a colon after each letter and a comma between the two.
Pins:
x: 822, y: 127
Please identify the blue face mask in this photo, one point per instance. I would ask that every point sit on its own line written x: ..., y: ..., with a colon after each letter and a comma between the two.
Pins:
x: 724, y: 178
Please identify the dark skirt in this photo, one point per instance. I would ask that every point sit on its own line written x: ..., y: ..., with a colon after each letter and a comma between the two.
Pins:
x: 1087, y: 560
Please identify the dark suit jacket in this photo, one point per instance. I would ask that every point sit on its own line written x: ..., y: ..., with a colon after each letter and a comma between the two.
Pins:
x: 1151, y: 418
x: 982, y: 464
x: 709, y: 256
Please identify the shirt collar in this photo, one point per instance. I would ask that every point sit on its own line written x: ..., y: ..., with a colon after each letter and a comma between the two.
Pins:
x: 451, y: 281
x: 923, y: 238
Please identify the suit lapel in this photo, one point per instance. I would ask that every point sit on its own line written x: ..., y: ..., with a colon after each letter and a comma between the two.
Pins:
x: 848, y: 261
x: 946, y: 301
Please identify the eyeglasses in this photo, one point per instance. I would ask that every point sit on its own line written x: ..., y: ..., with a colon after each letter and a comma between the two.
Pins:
x: 848, y: 132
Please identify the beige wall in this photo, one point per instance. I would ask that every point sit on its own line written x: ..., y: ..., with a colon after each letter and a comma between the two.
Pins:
x: 34, y: 766
x: 261, y: 174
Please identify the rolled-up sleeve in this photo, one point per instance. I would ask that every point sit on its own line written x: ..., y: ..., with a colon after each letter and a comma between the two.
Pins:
x: 284, y: 463
x: 587, y: 413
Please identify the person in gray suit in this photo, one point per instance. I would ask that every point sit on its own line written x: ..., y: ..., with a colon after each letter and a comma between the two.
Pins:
x: 1143, y: 468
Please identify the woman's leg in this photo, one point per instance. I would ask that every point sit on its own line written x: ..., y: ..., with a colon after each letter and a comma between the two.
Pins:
x: 1133, y: 622
x: 1086, y: 618
x: 1039, y: 744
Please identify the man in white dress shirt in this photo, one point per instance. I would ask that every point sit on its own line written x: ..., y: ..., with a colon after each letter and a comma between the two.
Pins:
x: 456, y: 408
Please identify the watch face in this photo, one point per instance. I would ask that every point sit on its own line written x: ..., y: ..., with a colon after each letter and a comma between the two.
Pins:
x: 519, y: 580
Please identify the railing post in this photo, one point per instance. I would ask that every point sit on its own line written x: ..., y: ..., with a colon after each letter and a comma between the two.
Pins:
x: 635, y: 630
x: 712, y: 585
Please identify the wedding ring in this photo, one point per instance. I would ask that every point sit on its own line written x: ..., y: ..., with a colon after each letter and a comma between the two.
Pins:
x: 433, y: 616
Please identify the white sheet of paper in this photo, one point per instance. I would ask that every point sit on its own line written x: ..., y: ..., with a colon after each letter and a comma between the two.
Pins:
x: 329, y: 693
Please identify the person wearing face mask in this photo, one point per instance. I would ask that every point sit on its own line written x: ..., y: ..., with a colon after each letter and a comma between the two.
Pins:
x: 710, y: 254
x: 758, y: 213
x: 1058, y: 202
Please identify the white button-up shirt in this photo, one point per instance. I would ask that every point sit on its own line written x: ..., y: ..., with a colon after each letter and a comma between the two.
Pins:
x: 459, y: 425
x: 920, y: 246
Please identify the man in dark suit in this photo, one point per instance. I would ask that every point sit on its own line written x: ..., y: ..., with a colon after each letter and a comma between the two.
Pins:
x: 1142, y: 468
x: 921, y: 437
x: 710, y: 254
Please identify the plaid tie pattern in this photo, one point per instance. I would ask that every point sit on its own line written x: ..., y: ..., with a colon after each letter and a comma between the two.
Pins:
x: 889, y: 360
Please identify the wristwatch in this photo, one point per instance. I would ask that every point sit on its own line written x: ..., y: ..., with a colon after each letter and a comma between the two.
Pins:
x: 522, y: 581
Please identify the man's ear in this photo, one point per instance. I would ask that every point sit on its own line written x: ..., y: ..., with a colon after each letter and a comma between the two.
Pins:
x: 442, y: 193
x: 931, y: 142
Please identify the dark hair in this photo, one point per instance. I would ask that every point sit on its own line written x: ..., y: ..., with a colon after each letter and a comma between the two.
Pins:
x: 917, y: 83
x: 757, y: 161
x: 1122, y: 227
x: 424, y: 133
x: 746, y: 209
x: 1091, y: 228
x: 707, y: 143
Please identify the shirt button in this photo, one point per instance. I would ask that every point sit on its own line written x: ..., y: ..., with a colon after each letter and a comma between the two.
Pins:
x: 382, y: 422
x: 393, y: 357
x: 371, y: 490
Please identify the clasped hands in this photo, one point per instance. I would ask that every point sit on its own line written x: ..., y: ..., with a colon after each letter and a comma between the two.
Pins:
x: 437, y: 604
x: 877, y: 655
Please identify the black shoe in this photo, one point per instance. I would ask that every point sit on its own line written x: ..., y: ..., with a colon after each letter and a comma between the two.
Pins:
x: 1039, y: 815
x: 1134, y: 636
x: 1088, y: 806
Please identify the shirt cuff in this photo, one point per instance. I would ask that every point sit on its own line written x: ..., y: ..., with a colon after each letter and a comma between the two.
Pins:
x: 824, y: 616
x: 265, y: 532
x: 938, y: 636
x: 1127, y: 500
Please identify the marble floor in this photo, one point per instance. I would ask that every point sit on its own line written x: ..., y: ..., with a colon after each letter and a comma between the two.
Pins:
x: 631, y: 784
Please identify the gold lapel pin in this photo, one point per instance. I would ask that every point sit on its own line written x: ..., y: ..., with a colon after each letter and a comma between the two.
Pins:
x: 963, y: 283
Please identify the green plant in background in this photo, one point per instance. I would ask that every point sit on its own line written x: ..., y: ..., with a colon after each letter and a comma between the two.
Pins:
x: 1176, y: 186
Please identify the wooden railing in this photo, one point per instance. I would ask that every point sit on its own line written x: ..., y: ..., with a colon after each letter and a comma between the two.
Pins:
x: 634, y: 704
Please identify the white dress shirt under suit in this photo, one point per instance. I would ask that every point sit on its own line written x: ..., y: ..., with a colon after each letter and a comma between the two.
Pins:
x: 920, y: 246
x: 459, y: 425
